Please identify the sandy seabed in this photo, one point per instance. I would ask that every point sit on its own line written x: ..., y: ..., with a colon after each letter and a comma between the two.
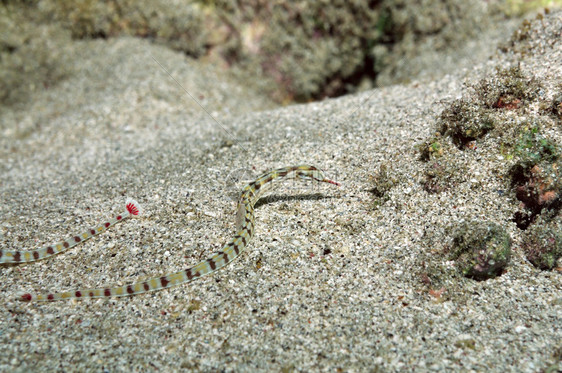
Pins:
x: 330, y: 282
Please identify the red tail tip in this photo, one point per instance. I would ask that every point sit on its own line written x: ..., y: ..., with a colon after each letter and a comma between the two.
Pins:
x: 133, y: 207
x: 331, y: 182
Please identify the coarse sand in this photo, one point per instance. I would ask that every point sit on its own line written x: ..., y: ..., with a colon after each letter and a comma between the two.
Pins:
x: 333, y: 279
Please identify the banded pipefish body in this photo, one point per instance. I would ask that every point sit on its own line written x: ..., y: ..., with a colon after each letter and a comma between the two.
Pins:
x: 230, y: 251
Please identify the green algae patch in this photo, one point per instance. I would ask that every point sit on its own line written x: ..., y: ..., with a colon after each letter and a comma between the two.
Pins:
x: 542, y: 245
x: 536, y: 175
x: 533, y: 147
x: 481, y: 250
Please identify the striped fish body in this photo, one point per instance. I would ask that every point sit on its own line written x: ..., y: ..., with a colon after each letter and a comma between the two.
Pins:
x: 230, y: 251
